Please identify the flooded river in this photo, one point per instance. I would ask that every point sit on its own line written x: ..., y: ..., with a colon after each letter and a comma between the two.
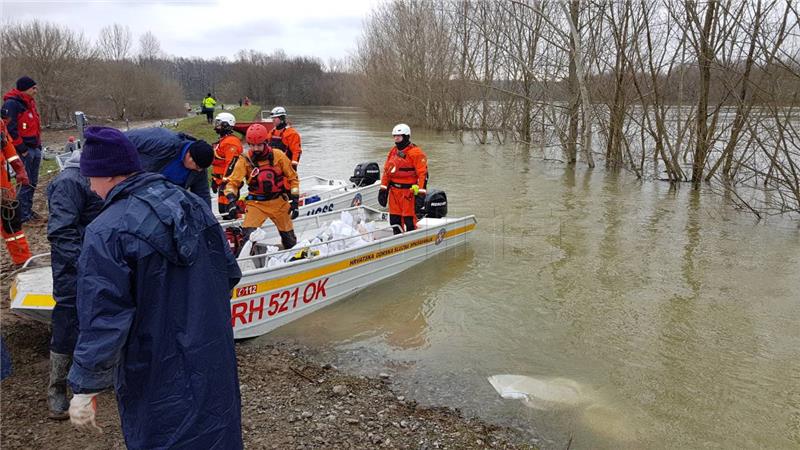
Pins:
x: 625, y: 315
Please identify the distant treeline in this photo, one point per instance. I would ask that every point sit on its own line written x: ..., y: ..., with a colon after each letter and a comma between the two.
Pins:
x: 115, y: 78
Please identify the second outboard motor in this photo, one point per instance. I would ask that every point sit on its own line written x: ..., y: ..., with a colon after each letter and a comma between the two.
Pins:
x: 366, y: 174
x: 434, y: 205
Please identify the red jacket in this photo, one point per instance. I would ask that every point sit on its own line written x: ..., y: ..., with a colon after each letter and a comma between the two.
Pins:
x: 22, y: 119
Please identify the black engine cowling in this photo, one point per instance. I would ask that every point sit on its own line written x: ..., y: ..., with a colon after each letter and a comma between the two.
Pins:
x: 366, y: 174
x: 434, y: 205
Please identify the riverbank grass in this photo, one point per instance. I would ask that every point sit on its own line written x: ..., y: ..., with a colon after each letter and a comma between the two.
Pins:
x: 198, y: 127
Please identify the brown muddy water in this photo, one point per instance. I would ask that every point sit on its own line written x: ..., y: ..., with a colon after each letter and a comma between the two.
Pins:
x: 630, y: 315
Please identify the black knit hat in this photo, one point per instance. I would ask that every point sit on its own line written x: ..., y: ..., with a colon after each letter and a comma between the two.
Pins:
x: 202, y: 153
x: 25, y: 83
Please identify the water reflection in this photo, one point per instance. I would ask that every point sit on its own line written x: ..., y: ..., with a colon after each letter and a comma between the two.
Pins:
x: 396, y: 310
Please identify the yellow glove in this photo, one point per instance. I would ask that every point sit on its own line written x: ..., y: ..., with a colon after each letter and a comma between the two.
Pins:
x: 415, y: 189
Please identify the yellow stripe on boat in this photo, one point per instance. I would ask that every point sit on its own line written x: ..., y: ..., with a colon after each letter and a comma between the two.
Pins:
x: 300, y: 277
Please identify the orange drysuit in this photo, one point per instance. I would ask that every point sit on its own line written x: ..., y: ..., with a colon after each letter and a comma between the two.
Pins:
x: 11, y: 228
x: 403, y: 169
x: 288, y: 141
x: 226, y: 151
x: 268, y: 180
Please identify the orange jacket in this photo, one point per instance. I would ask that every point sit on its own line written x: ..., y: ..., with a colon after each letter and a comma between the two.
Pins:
x: 287, y: 140
x: 8, y: 154
x: 244, y: 168
x: 225, y: 151
x: 412, y: 168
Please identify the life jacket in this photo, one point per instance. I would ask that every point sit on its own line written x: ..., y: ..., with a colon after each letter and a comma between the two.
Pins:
x: 276, y: 141
x: 400, y: 168
x: 28, y: 121
x: 265, y: 182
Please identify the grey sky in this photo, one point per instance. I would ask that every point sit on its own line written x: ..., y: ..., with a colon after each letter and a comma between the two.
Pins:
x: 205, y: 28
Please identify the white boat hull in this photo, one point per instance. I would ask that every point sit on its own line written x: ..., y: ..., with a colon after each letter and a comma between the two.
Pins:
x: 264, y: 301
x: 267, y: 298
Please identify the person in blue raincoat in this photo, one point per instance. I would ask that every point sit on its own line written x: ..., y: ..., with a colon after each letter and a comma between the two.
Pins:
x: 72, y: 206
x: 181, y: 158
x: 154, y: 283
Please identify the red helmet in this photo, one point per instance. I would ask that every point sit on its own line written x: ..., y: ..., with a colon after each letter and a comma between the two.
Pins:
x: 256, y: 134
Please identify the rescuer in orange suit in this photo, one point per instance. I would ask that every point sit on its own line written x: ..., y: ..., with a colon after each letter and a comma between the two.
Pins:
x: 11, y: 228
x: 272, y: 184
x: 405, y: 176
x: 284, y: 137
x: 226, y: 152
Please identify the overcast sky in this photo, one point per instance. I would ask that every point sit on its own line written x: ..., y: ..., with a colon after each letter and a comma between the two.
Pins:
x: 210, y: 28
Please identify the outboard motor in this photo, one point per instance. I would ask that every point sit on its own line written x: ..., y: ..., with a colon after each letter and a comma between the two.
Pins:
x: 434, y: 205
x: 366, y: 174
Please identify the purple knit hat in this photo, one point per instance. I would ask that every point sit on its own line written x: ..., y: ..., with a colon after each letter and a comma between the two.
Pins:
x: 107, y: 153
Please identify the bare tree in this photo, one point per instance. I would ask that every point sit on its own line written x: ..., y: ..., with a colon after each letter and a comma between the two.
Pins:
x: 149, y: 47
x: 54, y: 56
x: 114, y: 42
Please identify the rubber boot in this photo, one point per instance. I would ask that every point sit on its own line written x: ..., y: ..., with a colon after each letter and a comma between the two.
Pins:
x: 288, y: 239
x: 57, y: 399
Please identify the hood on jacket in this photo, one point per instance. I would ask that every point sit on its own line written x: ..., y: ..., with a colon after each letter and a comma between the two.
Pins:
x: 74, y: 160
x: 18, y: 95
x: 155, y: 205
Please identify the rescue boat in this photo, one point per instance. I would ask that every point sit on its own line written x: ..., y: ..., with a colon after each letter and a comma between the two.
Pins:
x: 319, y: 195
x: 278, y: 287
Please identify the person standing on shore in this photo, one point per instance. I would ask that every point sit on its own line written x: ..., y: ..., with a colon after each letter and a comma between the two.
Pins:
x: 405, y: 176
x: 72, y: 206
x: 209, y: 103
x: 13, y: 235
x: 181, y: 158
x: 154, y: 285
x: 24, y: 128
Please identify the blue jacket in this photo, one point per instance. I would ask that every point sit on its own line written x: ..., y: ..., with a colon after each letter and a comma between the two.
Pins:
x: 72, y: 206
x: 159, y: 147
x: 154, y: 286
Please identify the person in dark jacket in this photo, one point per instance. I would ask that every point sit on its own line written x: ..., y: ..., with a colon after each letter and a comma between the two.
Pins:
x: 72, y: 207
x: 181, y: 158
x: 24, y: 127
x: 154, y: 283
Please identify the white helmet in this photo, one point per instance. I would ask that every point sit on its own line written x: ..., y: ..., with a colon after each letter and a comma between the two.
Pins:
x: 278, y: 111
x: 401, y: 128
x: 224, y: 117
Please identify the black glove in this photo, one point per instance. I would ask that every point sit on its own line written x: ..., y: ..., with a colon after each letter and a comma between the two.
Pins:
x: 383, y: 196
x: 233, y: 208
x: 294, y: 203
x: 214, y: 186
